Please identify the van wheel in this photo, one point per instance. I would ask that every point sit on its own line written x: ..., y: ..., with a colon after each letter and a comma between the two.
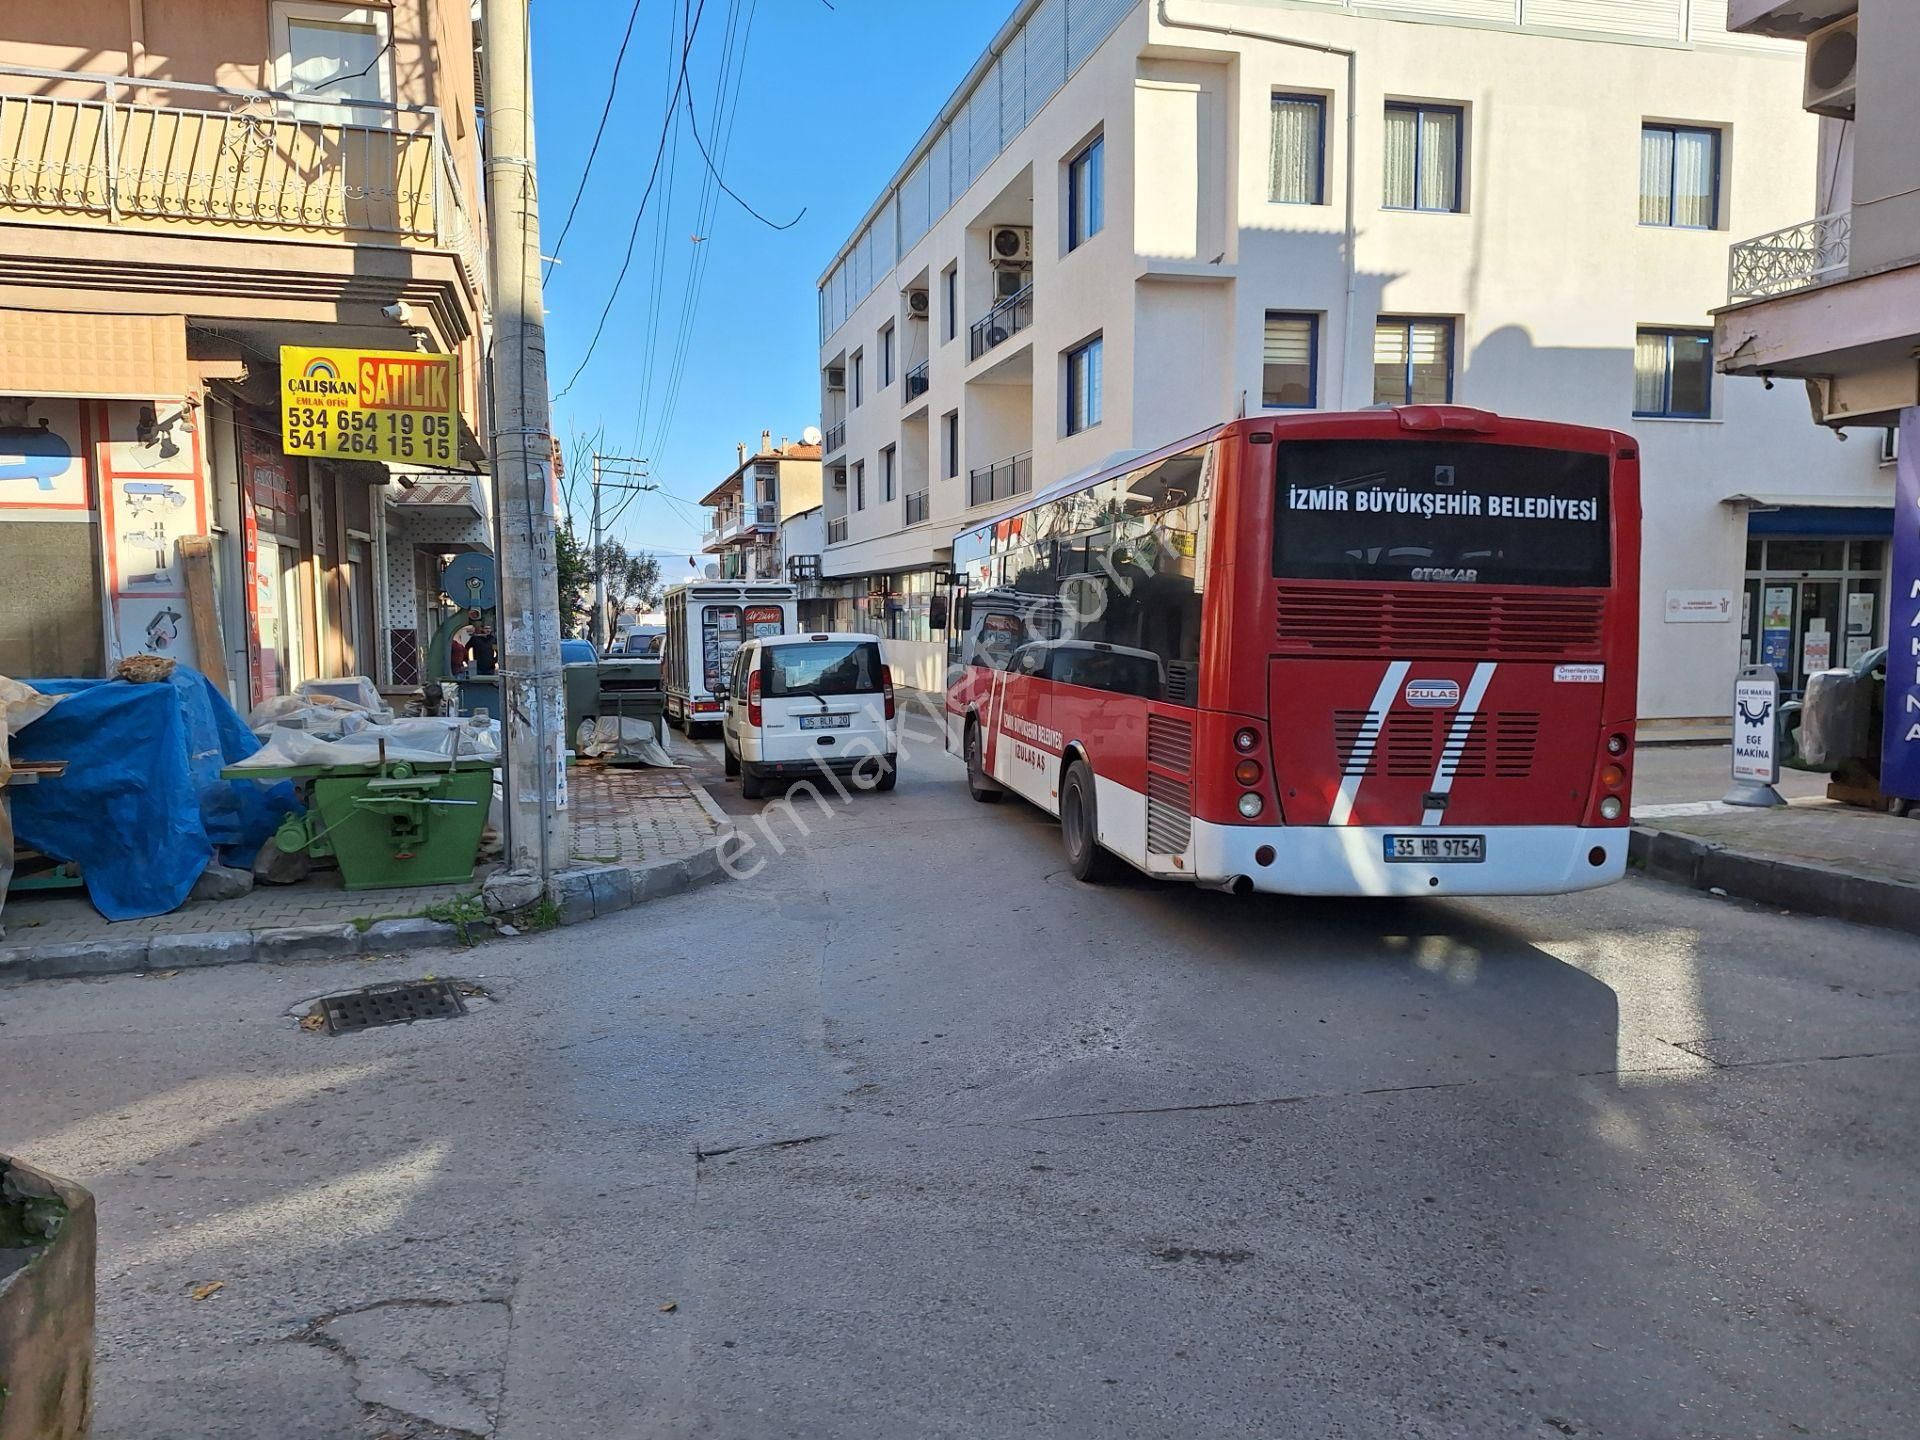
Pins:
x: 1080, y: 828
x: 729, y: 762
x: 890, y: 776
x: 978, y: 785
x: 752, y: 787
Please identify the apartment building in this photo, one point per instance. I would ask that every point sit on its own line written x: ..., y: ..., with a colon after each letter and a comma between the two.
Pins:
x: 1134, y: 220
x: 183, y: 190
x: 1831, y: 303
x: 764, y: 490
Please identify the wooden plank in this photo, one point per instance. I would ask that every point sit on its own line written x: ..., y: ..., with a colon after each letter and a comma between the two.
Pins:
x: 203, y: 609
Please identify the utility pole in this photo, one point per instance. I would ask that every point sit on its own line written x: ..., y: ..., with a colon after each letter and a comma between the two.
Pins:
x: 598, y: 632
x: 533, y: 713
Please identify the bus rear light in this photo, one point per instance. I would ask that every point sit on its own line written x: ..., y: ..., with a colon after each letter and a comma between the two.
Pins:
x: 1613, y: 777
x: 1247, y: 772
x: 1246, y: 741
x: 1610, y: 808
x: 753, y: 697
x: 886, y: 687
x: 1616, y: 744
x: 1250, y: 804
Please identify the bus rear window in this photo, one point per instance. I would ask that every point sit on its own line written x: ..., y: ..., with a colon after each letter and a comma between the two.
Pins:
x: 1400, y: 510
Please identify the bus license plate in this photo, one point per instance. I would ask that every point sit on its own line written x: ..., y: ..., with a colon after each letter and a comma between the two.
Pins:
x: 1438, y: 849
x: 825, y: 722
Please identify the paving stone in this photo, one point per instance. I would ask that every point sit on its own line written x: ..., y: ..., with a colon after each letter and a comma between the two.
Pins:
x: 204, y: 947
x: 414, y: 934
x: 307, y: 942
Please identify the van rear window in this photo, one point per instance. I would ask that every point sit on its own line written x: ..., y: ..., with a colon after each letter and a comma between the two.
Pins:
x: 821, y: 667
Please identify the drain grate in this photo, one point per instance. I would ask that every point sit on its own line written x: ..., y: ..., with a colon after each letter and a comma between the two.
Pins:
x: 391, y: 1005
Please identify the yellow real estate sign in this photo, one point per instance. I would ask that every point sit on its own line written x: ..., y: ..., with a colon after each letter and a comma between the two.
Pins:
x: 369, y: 405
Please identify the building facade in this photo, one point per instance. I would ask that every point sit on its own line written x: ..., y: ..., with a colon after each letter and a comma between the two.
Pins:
x: 183, y: 190
x: 764, y: 490
x: 1134, y: 220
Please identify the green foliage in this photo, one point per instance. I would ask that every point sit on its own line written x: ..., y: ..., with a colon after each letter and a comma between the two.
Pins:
x: 632, y: 580
x: 576, y: 578
x: 465, y: 912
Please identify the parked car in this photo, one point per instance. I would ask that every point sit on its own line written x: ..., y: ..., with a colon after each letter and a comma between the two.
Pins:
x: 797, y: 704
x: 644, y: 640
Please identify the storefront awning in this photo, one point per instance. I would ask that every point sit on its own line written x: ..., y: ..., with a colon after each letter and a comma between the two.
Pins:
x: 1855, y: 515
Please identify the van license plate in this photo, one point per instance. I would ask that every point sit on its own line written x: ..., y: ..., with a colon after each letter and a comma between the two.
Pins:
x: 1438, y: 849
x: 825, y: 722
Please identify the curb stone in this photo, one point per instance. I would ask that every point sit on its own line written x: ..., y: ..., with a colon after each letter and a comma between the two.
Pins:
x: 1798, y: 885
x: 579, y: 895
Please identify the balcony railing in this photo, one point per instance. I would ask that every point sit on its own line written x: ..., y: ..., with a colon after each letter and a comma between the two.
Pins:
x: 836, y: 529
x: 1791, y: 259
x: 1001, y: 480
x: 916, y: 383
x: 916, y: 507
x: 836, y: 438
x: 1006, y: 319
x: 802, y: 568
x: 714, y: 534
x: 165, y: 155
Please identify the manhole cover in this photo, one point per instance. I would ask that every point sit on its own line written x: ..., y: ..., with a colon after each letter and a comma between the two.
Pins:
x: 391, y: 1005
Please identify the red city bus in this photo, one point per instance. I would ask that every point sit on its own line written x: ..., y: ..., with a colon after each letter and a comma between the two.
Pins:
x: 1384, y: 653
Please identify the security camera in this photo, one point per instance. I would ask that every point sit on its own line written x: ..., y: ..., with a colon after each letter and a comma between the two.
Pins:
x: 399, y: 312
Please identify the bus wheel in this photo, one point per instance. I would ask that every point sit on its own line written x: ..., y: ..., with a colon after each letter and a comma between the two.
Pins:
x: 1079, y: 826
x: 978, y: 785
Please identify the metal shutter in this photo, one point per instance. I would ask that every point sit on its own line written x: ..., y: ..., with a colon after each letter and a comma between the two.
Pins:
x: 1089, y: 23
x: 1652, y: 19
x: 1013, y: 88
x: 1046, y: 31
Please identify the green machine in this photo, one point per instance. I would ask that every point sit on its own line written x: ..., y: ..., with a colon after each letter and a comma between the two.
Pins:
x: 394, y: 824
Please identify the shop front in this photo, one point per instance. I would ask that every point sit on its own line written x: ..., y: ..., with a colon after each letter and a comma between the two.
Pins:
x: 1815, y: 594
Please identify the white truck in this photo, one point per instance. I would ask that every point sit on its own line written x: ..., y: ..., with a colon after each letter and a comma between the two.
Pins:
x: 707, y: 622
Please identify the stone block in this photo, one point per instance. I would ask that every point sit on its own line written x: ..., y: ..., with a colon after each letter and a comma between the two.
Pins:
x: 414, y: 934
x: 84, y: 957
x: 307, y: 942
x: 46, y: 1312
x: 213, y: 947
x: 222, y: 882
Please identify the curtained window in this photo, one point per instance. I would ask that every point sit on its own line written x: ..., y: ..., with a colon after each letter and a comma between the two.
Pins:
x: 1673, y: 374
x: 1288, y: 378
x: 1423, y: 153
x: 1412, y: 362
x: 1679, y: 177
x: 1299, y: 150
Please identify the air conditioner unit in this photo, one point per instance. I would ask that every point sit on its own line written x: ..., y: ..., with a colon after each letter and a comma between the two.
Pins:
x: 1833, y: 65
x: 1008, y: 283
x: 1011, y: 245
x: 917, y: 304
x: 840, y: 477
x: 836, y: 377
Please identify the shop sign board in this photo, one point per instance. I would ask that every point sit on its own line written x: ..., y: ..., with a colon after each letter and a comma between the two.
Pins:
x: 1900, y: 741
x: 391, y: 405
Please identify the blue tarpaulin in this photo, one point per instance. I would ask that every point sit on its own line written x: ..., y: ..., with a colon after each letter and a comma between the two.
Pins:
x: 142, y: 808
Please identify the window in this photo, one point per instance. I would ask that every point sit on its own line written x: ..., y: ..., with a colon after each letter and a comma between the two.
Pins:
x: 1299, y: 150
x: 1289, y: 376
x: 950, y: 425
x: 1087, y: 193
x: 1423, y: 157
x: 1673, y: 374
x: 334, y: 51
x: 886, y: 355
x: 859, y: 376
x: 1412, y: 362
x: 859, y: 484
x: 1083, y: 386
x: 1679, y: 177
x: 886, y: 474
x: 829, y: 667
x: 950, y: 292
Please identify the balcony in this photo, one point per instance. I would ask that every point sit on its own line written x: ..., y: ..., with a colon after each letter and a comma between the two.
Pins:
x: 765, y: 516
x: 1795, y: 258
x: 835, y: 438
x: 916, y: 383
x: 916, y: 507
x: 837, y: 530
x: 1001, y: 480
x: 1006, y: 319
x: 194, y: 170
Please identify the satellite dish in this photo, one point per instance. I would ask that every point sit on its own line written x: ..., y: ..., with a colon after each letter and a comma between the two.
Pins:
x: 810, y: 435
x: 712, y: 572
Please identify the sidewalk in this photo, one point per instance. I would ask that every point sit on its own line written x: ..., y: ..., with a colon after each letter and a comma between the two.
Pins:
x: 638, y: 834
x: 1812, y: 855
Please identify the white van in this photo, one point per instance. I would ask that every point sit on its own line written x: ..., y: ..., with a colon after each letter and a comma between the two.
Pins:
x: 800, y: 704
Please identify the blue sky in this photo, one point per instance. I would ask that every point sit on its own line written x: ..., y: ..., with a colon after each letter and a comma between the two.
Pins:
x: 830, y: 99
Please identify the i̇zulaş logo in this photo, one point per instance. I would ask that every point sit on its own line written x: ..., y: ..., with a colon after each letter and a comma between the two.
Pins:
x: 1433, y: 694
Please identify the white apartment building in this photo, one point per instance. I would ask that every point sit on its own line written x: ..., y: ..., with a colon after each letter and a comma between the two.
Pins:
x: 1208, y: 209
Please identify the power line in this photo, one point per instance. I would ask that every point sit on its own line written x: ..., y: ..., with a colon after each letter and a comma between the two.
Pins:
x: 633, y: 233
x: 694, y: 125
x: 613, y: 86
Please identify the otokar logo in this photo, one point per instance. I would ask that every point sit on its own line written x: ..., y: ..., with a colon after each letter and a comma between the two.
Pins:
x: 1445, y: 572
x: 1432, y: 694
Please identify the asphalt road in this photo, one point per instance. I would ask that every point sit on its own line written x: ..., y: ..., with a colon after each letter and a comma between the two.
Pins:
x: 910, y: 1135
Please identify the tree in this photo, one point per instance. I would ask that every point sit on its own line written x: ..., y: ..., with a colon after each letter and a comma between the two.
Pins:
x: 632, y: 581
x: 576, y: 578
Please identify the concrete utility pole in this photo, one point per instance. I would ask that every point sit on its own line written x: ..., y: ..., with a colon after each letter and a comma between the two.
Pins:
x: 534, y: 713
x: 597, y: 630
